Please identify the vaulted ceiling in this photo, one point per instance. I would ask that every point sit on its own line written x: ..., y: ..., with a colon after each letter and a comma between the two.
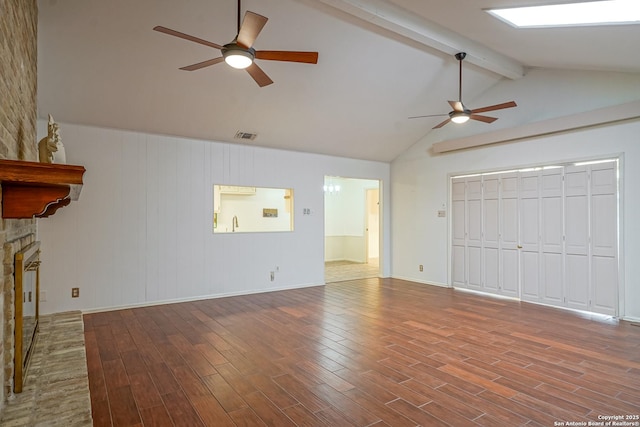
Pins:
x: 380, y: 61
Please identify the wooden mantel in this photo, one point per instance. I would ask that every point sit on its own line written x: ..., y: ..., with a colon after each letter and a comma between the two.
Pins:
x: 32, y: 189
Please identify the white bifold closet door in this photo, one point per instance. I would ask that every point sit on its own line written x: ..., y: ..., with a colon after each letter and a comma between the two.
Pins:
x: 547, y: 235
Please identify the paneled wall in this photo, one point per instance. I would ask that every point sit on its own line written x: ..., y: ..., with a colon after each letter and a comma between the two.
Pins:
x: 141, y: 232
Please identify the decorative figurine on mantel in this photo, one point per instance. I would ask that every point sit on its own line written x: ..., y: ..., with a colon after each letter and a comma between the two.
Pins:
x: 50, y: 148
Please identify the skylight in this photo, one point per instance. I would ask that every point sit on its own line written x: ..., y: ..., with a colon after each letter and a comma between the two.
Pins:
x: 605, y: 12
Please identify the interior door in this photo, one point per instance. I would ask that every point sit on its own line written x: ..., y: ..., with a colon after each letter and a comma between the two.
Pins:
x: 577, y: 237
x: 551, y: 234
x: 372, y: 227
x: 474, y: 233
x: 604, y: 242
x: 530, y: 235
x: 491, y: 233
x: 509, y: 256
x: 458, y: 232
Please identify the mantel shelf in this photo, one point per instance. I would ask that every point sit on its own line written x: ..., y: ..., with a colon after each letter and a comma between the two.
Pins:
x: 32, y: 189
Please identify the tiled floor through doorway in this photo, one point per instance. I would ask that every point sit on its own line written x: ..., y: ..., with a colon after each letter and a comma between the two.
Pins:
x: 338, y: 271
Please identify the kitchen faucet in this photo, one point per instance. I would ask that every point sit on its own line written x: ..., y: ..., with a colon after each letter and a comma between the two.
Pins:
x: 234, y: 223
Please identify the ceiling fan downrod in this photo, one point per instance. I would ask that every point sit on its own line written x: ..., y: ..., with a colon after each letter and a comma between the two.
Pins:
x: 239, y: 8
x: 459, y: 56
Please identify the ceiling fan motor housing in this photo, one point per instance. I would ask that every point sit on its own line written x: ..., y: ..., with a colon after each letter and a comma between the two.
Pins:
x: 234, y: 49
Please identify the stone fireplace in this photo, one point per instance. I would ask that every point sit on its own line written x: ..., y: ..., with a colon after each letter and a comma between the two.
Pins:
x: 18, y: 114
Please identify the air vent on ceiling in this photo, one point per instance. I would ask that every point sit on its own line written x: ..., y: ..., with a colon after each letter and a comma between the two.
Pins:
x: 245, y: 135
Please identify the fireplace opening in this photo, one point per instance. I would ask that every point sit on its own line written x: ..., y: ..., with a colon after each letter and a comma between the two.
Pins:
x: 27, y: 296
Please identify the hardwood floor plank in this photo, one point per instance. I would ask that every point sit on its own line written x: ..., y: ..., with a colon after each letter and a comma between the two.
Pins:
x: 224, y: 393
x: 180, y: 410
x: 124, y: 411
x: 115, y: 375
x: 385, y: 413
x: 267, y: 411
x: 302, y: 417
x: 374, y: 352
x: 447, y: 415
x: 300, y: 392
x: 156, y: 416
x: 416, y: 414
x: 494, y: 411
x: 211, y: 413
x: 144, y: 391
x: 351, y: 410
x: 444, y: 400
x: 190, y: 383
x: 246, y: 417
x: 163, y: 378
x: 101, y: 413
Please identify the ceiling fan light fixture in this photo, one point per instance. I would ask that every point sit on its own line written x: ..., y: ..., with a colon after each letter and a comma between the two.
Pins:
x: 237, y: 57
x: 459, y: 116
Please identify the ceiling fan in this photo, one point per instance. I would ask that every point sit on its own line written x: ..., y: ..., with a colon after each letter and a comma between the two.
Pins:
x: 239, y: 53
x: 462, y: 114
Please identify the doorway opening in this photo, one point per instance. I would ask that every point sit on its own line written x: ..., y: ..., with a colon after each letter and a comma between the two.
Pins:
x: 352, y: 228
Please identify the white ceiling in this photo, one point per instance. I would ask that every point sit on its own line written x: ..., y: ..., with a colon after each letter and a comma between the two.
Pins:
x: 380, y: 61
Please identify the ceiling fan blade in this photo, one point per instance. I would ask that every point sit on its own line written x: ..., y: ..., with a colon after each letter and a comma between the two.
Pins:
x: 495, y: 107
x: 258, y: 75
x: 429, y: 115
x: 480, y: 118
x: 290, y: 56
x: 186, y: 36
x: 456, y: 105
x: 251, y: 26
x: 439, y: 125
x: 203, y: 64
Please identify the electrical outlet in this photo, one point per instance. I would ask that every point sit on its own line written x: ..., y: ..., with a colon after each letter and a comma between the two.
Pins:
x: 420, y: 267
x: 75, y: 292
x: 273, y: 276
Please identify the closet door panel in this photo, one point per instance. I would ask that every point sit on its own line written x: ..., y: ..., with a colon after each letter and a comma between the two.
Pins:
x: 458, y: 222
x: 474, y: 222
x: 510, y: 272
x: 474, y: 267
x: 458, y: 232
x: 509, y: 257
x: 577, y: 281
x: 491, y: 258
x: 474, y: 233
x: 491, y: 237
x: 459, y: 266
x: 604, y: 273
x: 552, y: 278
x: 551, y: 235
x: 530, y: 270
x: 604, y: 225
x: 530, y: 235
x: 577, y: 225
x: 604, y: 250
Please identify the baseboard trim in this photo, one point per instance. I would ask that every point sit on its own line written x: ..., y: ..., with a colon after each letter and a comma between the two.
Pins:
x: 422, y: 282
x: 197, y: 298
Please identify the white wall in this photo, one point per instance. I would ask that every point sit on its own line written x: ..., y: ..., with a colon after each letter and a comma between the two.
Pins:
x: 420, y: 179
x: 142, y: 230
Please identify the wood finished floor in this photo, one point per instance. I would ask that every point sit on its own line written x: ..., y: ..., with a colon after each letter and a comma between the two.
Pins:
x: 372, y: 352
